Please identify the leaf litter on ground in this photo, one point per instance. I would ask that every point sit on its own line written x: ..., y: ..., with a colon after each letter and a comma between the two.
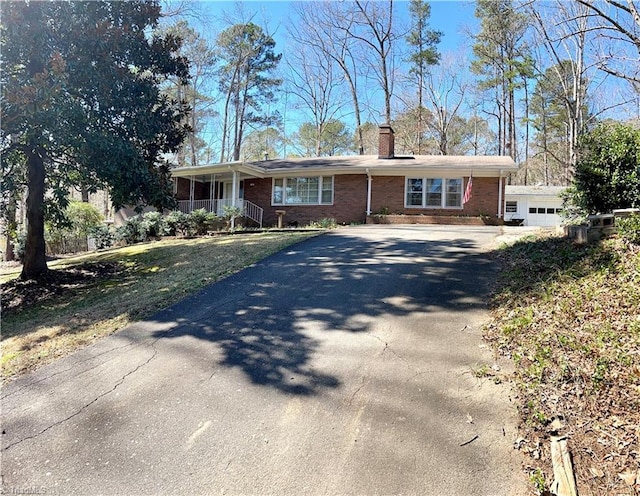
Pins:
x: 568, y: 316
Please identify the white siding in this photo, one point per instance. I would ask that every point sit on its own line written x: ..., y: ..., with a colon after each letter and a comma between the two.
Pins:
x: 538, y: 209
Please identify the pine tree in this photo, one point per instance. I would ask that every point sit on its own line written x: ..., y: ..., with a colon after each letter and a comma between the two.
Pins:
x: 424, y: 54
x: 248, y: 59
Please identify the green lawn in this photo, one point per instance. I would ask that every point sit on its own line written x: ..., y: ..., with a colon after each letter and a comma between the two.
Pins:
x: 101, y: 292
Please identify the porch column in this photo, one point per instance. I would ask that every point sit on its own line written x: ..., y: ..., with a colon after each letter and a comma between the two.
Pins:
x: 500, y: 196
x: 369, y: 180
x: 235, y: 186
x: 192, y: 187
x: 213, y: 177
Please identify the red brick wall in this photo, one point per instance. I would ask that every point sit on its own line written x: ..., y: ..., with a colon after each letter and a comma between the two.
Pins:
x: 386, y: 142
x: 350, y: 202
x: 350, y: 199
x: 484, y: 199
x: 387, y: 192
x: 200, y: 190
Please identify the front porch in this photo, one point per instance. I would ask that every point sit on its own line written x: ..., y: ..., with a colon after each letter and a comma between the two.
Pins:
x: 213, y: 188
x: 249, y: 210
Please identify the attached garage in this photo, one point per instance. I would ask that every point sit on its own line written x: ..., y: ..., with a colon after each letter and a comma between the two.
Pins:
x: 534, y: 205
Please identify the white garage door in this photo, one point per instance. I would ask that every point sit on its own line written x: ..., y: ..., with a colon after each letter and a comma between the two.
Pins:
x: 544, y: 214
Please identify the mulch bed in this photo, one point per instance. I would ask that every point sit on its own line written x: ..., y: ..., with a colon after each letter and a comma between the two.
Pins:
x: 17, y: 294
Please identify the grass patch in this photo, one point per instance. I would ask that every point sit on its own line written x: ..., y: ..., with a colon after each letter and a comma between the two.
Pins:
x: 92, y: 295
x: 569, y: 317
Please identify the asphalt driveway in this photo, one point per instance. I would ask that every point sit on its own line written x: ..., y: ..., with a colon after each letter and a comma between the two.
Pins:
x: 342, y: 365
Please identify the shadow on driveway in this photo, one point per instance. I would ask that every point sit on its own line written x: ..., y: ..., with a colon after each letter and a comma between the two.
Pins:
x: 260, y: 318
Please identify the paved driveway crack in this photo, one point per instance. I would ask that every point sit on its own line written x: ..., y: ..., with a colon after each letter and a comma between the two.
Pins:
x: 387, y: 348
x: 84, y: 407
x: 353, y: 395
x: 75, y: 365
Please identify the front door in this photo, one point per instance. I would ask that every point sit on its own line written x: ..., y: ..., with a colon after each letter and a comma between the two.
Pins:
x: 227, y: 191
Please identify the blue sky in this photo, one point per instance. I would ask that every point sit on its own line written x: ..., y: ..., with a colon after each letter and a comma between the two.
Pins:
x: 452, y: 18
x: 448, y: 16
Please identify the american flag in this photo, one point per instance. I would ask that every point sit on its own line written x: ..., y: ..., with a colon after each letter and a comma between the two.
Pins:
x: 467, y: 191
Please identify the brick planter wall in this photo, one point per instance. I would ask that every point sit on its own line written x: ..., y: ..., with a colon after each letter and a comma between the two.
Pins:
x: 432, y: 219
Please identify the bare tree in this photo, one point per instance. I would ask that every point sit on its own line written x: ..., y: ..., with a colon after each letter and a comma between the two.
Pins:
x: 315, y: 79
x: 445, y: 93
x: 563, y: 32
x: 324, y: 28
x: 618, y: 26
x: 374, y: 30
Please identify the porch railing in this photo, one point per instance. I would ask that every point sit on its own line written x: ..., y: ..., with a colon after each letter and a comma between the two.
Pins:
x: 253, y: 212
x: 249, y: 209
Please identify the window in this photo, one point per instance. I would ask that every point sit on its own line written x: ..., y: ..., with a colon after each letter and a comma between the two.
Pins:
x: 434, y: 193
x: 511, y: 207
x: 414, y: 192
x: 326, y: 197
x: 427, y: 192
x: 454, y: 193
x: 532, y: 210
x: 315, y: 190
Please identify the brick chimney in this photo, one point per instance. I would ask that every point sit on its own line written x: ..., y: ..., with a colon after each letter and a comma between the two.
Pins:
x: 386, y: 142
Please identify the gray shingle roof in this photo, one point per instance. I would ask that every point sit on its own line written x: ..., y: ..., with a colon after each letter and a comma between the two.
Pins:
x: 373, y: 162
x: 361, y: 164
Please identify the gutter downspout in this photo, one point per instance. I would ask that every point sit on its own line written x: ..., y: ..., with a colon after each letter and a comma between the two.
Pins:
x: 500, y: 196
x: 369, y: 180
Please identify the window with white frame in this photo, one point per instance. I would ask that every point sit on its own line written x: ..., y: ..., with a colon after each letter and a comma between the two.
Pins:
x: 313, y: 190
x: 427, y: 192
x: 511, y: 207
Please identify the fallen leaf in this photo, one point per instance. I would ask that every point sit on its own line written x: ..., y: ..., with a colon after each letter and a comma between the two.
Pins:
x: 616, y: 421
x: 596, y: 472
x: 518, y: 443
x: 629, y: 477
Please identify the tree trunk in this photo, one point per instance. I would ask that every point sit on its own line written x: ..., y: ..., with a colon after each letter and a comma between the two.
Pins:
x: 192, y: 134
x: 9, y: 254
x: 35, y: 259
x: 420, y: 112
x: 526, y: 136
x: 356, y: 109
